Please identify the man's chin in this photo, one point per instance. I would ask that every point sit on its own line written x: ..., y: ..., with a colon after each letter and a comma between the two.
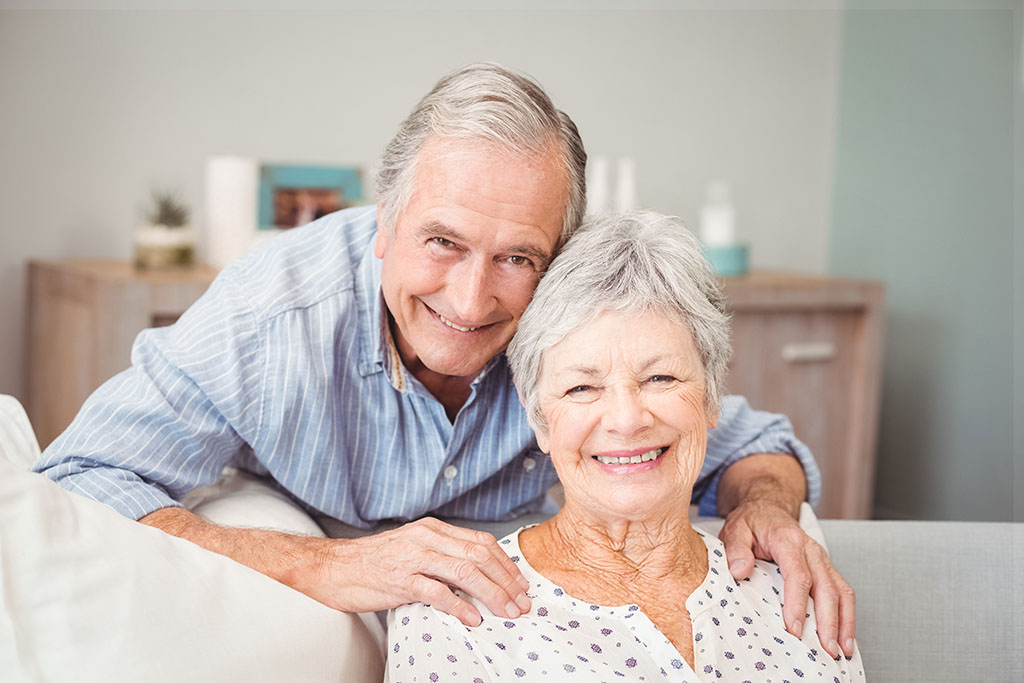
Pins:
x: 456, y: 367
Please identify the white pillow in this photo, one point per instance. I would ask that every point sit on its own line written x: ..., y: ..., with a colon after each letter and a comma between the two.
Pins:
x: 87, y: 595
x: 18, y: 442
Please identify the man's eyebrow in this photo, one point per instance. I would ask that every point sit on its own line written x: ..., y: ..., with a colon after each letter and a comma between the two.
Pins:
x: 533, y: 252
x: 438, y: 229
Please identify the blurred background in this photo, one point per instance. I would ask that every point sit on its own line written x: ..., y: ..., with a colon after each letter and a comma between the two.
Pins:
x: 878, y: 141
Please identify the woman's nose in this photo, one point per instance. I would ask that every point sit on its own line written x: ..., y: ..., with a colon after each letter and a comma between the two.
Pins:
x: 626, y: 413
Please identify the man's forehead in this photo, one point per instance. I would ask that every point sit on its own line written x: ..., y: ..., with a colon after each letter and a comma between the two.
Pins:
x: 478, y: 189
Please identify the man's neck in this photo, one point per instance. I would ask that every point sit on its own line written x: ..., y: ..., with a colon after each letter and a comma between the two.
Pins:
x: 452, y: 391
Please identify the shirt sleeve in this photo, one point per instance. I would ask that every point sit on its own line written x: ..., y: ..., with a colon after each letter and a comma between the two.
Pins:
x: 743, y: 431
x: 427, y: 645
x: 172, y: 421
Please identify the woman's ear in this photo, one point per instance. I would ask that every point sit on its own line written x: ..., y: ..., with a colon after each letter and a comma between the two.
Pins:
x: 538, y: 432
x: 542, y: 440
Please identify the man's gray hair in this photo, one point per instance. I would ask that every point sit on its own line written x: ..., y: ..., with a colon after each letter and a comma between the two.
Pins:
x: 490, y: 103
x: 635, y: 262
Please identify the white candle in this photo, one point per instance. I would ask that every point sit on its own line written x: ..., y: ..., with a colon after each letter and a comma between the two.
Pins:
x: 231, y: 202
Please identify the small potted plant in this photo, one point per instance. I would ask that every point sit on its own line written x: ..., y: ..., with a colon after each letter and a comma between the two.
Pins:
x: 167, y: 241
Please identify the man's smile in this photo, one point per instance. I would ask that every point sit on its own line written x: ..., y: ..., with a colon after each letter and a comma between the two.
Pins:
x: 456, y: 326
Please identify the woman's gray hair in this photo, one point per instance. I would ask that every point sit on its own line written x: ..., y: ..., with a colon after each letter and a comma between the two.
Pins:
x: 490, y: 103
x: 635, y: 262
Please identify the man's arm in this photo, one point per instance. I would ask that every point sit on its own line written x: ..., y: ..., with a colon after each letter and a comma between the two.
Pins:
x: 760, y: 498
x: 414, y: 563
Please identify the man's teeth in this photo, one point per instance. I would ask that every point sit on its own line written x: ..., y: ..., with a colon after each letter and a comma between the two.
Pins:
x: 452, y: 325
x: 625, y: 460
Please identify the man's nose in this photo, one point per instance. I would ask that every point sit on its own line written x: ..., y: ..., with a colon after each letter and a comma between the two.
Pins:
x: 471, y: 290
x: 626, y: 413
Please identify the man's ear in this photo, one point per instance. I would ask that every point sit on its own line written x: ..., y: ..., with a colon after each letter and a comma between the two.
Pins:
x: 713, y: 418
x: 383, y: 235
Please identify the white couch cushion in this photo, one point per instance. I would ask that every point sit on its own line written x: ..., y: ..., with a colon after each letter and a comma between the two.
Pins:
x: 87, y: 595
x: 18, y: 443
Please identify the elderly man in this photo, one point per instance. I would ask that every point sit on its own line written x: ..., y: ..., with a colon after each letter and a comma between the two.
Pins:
x: 358, y: 363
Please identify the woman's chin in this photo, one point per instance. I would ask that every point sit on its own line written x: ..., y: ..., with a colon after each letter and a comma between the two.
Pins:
x: 637, y: 504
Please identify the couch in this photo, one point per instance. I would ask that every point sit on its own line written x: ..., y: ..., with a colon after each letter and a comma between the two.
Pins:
x: 86, y: 595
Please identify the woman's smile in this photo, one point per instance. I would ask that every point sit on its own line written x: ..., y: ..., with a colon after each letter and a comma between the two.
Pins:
x: 630, y: 462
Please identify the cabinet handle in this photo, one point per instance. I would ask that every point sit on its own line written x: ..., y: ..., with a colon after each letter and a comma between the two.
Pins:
x: 808, y: 352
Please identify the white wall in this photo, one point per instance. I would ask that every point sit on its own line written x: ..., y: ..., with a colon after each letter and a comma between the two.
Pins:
x: 98, y: 107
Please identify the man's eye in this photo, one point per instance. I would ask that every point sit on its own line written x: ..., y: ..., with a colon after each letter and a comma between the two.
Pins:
x: 519, y: 260
x: 442, y: 242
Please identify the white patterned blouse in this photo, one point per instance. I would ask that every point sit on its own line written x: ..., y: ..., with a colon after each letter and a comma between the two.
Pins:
x: 738, y: 635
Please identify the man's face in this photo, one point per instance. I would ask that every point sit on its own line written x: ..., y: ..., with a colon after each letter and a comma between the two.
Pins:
x: 468, y: 251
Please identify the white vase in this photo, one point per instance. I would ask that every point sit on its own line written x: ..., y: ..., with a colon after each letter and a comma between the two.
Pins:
x: 158, y: 247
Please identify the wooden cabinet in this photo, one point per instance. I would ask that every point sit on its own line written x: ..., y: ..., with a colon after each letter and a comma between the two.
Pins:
x: 810, y: 347
x: 82, y: 319
x: 803, y: 346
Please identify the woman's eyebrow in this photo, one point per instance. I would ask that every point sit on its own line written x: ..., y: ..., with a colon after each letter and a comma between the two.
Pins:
x: 585, y: 370
x: 654, y: 360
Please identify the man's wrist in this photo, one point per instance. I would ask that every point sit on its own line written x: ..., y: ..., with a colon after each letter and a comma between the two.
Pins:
x: 775, y: 480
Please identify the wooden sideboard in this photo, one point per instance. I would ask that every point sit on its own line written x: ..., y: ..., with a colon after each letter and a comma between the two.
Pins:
x: 808, y: 347
x: 82, y: 319
x: 811, y: 348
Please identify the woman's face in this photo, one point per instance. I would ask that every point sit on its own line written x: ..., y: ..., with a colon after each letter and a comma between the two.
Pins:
x: 627, y: 426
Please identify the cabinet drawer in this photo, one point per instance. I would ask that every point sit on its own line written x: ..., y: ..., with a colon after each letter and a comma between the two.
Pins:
x: 802, y: 364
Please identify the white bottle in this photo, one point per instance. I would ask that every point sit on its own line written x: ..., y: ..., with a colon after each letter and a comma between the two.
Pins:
x: 718, y: 217
x: 597, y: 185
x: 625, y: 186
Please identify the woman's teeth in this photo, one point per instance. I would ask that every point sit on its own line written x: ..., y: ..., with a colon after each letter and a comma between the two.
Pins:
x: 625, y: 460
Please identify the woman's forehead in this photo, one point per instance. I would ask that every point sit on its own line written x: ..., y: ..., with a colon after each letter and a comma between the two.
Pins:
x: 616, y: 338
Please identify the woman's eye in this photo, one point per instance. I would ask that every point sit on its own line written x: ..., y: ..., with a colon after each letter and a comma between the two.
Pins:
x: 661, y: 378
x: 580, y: 389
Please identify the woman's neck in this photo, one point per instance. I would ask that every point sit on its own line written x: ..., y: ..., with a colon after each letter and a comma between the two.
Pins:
x: 627, y: 553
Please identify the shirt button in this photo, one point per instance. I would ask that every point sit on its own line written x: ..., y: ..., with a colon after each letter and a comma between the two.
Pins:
x: 450, y: 472
x: 529, y: 464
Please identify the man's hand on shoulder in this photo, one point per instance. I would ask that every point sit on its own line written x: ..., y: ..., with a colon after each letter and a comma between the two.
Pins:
x: 768, y: 532
x: 761, y: 495
x: 421, y: 562
x: 418, y: 562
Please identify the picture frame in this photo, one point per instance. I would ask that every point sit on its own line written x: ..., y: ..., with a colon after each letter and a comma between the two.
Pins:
x: 292, y: 195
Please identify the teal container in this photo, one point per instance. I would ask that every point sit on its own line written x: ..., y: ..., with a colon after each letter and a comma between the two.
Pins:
x: 728, y: 261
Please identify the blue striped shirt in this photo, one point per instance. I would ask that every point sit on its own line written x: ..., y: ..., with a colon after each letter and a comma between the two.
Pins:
x: 286, y: 368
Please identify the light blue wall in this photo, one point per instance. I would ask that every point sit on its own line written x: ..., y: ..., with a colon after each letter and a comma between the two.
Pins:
x: 924, y: 201
x: 1018, y: 279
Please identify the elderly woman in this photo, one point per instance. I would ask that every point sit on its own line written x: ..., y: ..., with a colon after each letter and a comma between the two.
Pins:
x: 620, y: 360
